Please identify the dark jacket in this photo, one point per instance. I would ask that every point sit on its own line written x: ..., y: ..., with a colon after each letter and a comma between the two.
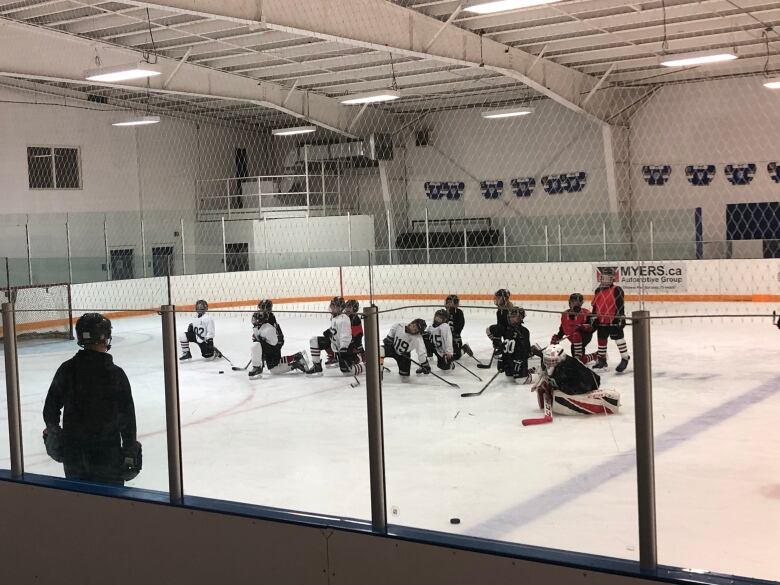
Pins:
x: 98, y: 415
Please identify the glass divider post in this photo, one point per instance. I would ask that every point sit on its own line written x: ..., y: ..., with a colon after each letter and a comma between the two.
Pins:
x: 645, y: 462
x: 12, y: 391
x: 172, y: 415
x: 376, y: 448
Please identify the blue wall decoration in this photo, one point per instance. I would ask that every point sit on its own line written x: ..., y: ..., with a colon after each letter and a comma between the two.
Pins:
x: 740, y: 174
x: 523, y: 186
x: 656, y: 175
x: 774, y: 172
x: 492, y: 189
x: 700, y: 175
x: 564, y: 183
x: 445, y: 189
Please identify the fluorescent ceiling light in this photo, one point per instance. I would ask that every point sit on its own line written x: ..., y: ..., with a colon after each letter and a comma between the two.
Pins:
x: 138, y: 121
x: 121, y: 72
x: 372, y: 97
x: 507, y: 113
x: 503, y: 5
x: 293, y: 130
x: 772, y: 83
x: 693, y: 59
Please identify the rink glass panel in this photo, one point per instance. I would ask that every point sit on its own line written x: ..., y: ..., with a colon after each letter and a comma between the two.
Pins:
x: 287, y: 441
x: 716, y: 392
x: 568, y: 485
x: 137, y: 349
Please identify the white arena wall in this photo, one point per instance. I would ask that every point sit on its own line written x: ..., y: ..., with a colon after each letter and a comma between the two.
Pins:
x: 725, y: 286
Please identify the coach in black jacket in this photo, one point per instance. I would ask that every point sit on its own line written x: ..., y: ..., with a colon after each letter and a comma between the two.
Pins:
x: 97, y: 440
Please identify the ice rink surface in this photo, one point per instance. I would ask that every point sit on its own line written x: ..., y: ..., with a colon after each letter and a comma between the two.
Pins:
x: 300, y: 443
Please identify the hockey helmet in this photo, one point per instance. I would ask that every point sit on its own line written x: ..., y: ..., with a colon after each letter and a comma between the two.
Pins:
x: 419, y: 324
x: 93, y: 329
x: 516, y: 313
x: 575, y: 301
x: 452, y: 301
x: 259, y: 317
x: 266, y: 305
x: 337, y: 305
x: 352, y: 307
x: 553, y: 355
x: 607, y: 275
x: 501, y: 297
x: 441, y: 316
x: 201, y: 307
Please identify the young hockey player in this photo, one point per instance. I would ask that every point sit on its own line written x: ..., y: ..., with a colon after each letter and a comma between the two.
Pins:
x: 515, y: 343
x: 338, y: 338
x: 267, y: 349
x: 267, y: 306
x: 503, y: 304
x: 610, y: 318
x: 457, y: 323
x: 572, y: 387
x: 438, y: 339
x: 576, y: 325
x: 352, y: 310
x: 400, y: 342
x: 200, y: 331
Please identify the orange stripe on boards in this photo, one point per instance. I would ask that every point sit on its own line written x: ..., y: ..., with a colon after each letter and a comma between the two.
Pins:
x: 670, y: 298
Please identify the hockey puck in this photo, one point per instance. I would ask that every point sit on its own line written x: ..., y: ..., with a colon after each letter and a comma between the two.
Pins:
x: 222, y: 371
x: 454, y: 520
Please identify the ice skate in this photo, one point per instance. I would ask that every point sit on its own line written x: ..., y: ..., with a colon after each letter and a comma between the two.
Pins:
x: 315, y: 370
x: 185, y: 356
x: 621, y: 367
x: 601, y: 364
x: 255, y: 373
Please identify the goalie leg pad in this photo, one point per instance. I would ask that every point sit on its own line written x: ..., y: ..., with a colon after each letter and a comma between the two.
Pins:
x: 602, y: 401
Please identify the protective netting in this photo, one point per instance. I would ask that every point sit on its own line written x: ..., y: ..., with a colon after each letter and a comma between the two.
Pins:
x: 515, y: 157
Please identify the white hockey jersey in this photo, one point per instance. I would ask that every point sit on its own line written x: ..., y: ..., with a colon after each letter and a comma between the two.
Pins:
x: 403, y: 343
x: 265, y: 333
x: 340, y: 332
x: 441, y: 336
x: 203, y: 327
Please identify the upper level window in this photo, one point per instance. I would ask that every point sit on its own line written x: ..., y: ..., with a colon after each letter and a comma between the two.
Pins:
x: 53, y: 167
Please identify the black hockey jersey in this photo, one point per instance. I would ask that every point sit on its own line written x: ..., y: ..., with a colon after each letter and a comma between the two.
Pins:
x: 571, y: 376
x: 457, y: 322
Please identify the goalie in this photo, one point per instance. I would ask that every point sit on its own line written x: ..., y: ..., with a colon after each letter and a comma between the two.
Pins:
x: 572, y: 387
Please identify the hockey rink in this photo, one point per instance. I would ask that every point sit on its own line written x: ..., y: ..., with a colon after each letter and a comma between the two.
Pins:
x: 300, y: 442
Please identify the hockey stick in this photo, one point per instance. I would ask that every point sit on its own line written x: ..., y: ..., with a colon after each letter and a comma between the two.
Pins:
x: 469, y: 394
x: 469, y: 371
x: 435, y: 375
x: 488, y: 365
x: 547, y: 418
x: 246, y: 367
x: 226, y: 358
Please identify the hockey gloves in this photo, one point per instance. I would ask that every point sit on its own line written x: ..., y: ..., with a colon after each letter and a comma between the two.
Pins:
x: 555, y: 339
x: 132, y: 461
x: 52, y: 440
x: 425, y: 368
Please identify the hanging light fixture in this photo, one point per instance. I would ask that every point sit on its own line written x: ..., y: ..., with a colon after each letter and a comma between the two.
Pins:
x: 126, y: 72
x: 293, y: 130
x: 482, y: 7
x: 138, y: 121
x: 694, y: 59
x: 373, y: 97
x: 507, y: 113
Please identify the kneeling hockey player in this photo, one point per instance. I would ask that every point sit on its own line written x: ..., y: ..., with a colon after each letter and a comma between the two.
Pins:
x: 400, y: 342
x: 352, y: 310
x: 338, y: 339
x: 576, y: 326
x: 267, y: 349
x: 514, y: 343
x: 503, y: 304
x: 457, y: 323
x: 438, y: 339
x: 572, y: 387
x: 200, y: 331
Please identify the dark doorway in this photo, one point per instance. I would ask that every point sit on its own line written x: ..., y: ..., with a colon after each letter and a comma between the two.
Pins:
x: 242, y: 170
x: 122, y: 264
x: 237, y: 257
x: 162, y: 260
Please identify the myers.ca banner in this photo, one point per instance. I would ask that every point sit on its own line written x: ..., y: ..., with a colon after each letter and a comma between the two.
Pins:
x: 646, y: 276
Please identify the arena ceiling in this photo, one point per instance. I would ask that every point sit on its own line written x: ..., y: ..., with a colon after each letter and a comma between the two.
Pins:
x: 306, y: 54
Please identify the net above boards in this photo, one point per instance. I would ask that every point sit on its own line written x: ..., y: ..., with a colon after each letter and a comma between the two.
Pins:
x: 41, y: 310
